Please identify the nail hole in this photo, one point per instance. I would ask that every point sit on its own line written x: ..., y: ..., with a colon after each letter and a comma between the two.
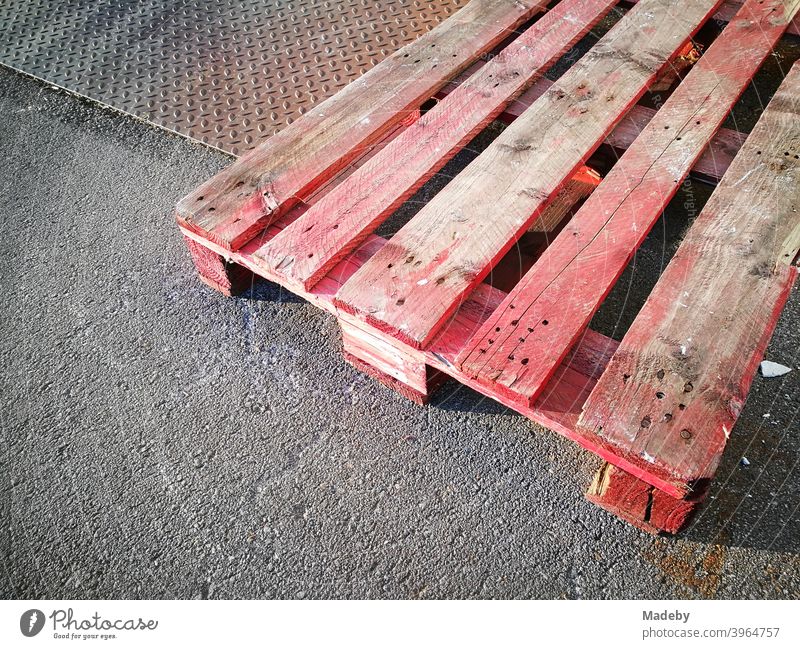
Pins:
x: 659, y: 395
x: 524, y: 361
x: 646, y: 422
x: 545, y: 322
x: 400, y: 302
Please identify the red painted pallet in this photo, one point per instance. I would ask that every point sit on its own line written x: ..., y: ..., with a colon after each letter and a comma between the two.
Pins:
x: 493, y: 282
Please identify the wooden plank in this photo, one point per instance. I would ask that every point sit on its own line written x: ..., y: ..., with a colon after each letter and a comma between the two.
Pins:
x: 729, y: 9
x: 710, y: 166
x: 241, y: 200
x: 713, y: 161
x: 305, y: 251
x: 674, y: 388
x: 579, y: 187
x: 524, y: 341
x: 417, y: 281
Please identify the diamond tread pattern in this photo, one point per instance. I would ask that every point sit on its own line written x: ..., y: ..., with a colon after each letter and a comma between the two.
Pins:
x: 228, y: 72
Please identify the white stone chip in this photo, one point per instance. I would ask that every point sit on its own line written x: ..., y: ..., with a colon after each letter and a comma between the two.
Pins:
x: 770, y: 370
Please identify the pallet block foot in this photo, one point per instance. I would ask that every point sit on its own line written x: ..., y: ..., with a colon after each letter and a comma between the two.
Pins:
x: 215, y: 271
x: 640, y: 503
x: 402, y: 370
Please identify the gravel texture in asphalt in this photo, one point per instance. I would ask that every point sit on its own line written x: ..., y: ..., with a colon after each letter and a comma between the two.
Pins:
x: 162, y: 441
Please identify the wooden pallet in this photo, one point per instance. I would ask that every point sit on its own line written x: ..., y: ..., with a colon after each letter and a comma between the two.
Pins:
x: 494, y: 281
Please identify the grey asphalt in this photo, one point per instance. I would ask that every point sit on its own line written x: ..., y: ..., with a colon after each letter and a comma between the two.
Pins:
x: 162, y: 441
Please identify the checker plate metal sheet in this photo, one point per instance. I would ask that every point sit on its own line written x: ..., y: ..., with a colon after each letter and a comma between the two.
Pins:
x: 225, y: 72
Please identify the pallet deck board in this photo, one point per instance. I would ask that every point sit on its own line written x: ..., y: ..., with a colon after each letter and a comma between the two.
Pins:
x: 241, y: 200
x: 305, y: 251
x: 416, y: 282
x: 675, y: 386
x: 711, y: 165
x: 731, y: 7
x: 524, y: 340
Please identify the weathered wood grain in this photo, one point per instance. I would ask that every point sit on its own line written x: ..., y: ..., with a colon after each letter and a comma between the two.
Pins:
x: 710, y: 166
x: 579, y: 187
x: 305, y: 251
x: 640, y: 503
x: 226, y: 277
x: 523, y: 342
x: 731, y: 7
x: 678, y: 381
x: 406, y: 373
x: 241, y: 200
x: 417, y: 281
